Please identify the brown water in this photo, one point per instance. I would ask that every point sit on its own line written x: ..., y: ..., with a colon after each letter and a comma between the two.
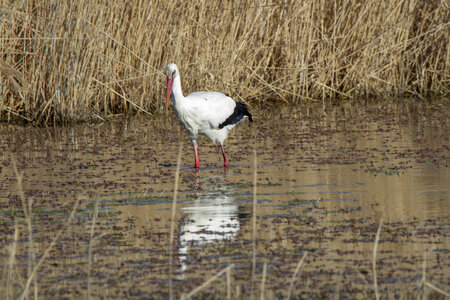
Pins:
x: 326, y: 176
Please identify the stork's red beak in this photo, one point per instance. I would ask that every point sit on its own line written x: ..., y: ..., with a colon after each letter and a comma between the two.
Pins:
x: 169, y: 90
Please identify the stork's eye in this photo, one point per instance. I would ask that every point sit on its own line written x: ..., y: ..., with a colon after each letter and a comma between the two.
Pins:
x: 173, y: 73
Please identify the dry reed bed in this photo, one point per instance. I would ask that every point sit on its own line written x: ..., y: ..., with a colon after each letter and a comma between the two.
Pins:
x: 66, y: 61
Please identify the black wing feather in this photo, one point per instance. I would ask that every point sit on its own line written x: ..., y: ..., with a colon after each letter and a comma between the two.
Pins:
x: 240, y: 111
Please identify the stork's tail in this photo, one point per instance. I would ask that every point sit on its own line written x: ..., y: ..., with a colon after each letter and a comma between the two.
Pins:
x: 245, y: 110
x: 240, y: 111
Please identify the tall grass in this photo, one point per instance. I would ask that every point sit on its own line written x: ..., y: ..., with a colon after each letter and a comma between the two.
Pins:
x: 33, y: 267
x: 62, y: 61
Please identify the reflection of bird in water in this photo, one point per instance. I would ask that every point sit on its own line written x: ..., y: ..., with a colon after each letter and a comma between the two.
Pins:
x: 212, y: 217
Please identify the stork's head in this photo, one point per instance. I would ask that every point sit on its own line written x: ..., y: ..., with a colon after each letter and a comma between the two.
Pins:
x: 171, y: 72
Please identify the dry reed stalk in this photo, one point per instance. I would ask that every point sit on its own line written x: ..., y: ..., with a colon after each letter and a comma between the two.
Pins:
x: 27, y: 210
x: 255, y: 183
x: 11, y: 263
x: 426, y: 283
x: 263, y: 281
x: 91, y: 239
x: 424, y: 273
x: 78, y: 60
x: 210, y: 280
x: 47, y: 251
x: 172, y: 218
x: 297, y: 269
x: 374, y: 260
x: 229, y: 284
x: 32, y: 256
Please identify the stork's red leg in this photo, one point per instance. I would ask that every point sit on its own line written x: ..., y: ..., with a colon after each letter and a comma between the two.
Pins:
x: 225, y: 162
x: 197, y: 162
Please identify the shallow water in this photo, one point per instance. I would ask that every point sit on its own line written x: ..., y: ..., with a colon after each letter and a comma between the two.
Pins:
x: 326, y: 176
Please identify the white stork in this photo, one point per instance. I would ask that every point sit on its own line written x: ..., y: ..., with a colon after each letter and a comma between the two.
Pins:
x: 210, y: 113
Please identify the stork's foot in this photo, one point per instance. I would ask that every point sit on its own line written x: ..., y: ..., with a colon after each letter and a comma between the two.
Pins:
x: 197, y: 165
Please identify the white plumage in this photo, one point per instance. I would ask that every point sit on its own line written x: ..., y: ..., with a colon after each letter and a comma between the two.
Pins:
x: 213, y: 114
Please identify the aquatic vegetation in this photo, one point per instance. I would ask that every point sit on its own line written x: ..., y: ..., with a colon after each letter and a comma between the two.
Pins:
x: 392, y: 170
x: 88, y: 214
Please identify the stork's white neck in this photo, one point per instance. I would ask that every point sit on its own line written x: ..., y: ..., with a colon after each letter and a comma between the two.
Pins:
x: 177, y: 93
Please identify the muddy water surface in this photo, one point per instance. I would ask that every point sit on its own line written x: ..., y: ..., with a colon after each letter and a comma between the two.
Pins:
x: 326, y: 176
